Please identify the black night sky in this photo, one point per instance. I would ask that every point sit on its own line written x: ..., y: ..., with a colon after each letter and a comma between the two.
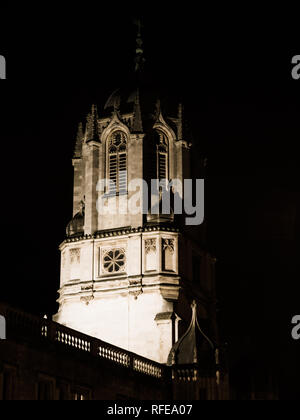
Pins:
x: 234, y: 78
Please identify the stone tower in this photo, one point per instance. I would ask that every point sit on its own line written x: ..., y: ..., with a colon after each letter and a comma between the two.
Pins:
x: 129, y: 274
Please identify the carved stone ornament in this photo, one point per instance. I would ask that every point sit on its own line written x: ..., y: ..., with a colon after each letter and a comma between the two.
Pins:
x: 169, y: 244
x: 75, y: 255
x: 114, y: 260
x: 150, y: 245
x: 136, y: 293
x: 87, y: 299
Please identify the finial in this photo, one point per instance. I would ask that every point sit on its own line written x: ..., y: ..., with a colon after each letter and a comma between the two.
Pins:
x: 194, y: 320
x: 137, y: 126
x: 116, y: 104
x: 157, y: 110
x: 92, y: 125
x: 194, y: 313
x: 139, y: 57
x: 179, y: 127
x: 79, y: 140
x: 82, y: 206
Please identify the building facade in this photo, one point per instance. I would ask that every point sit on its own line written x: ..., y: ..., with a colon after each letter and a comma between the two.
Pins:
x: 129, y: 270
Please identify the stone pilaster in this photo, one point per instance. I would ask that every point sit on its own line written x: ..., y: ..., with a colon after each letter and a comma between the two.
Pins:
x: 77, y: 192
x: 91, y: 180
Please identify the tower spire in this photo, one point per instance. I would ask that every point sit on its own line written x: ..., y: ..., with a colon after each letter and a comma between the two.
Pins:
x: 139, y: 52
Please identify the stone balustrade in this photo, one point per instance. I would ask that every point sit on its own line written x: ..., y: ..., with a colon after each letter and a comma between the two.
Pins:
x: 30, y: 329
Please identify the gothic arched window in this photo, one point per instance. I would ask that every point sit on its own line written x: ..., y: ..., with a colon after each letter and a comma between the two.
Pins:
x: 117, y: 163
x: 162, y: 156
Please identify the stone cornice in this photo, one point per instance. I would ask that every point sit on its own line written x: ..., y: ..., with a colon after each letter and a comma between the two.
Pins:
x: 166, y: 286
x: 120, y: 232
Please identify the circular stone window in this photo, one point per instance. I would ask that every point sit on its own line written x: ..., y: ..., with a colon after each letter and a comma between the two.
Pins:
x: 114, y: 260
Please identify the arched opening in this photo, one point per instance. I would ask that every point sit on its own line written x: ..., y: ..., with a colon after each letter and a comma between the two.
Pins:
x: 117, y: 163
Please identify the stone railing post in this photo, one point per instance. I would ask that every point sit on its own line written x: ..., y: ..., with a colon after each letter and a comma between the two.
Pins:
x: 51, y: 332
x: 94, y: 347
x: 131, y: 361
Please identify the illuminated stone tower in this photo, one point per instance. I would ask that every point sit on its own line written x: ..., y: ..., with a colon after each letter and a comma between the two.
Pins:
x: 128, y: 277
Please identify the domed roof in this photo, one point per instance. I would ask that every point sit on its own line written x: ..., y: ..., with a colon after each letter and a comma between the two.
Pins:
x: 125, y: 97
x: 194, y: 347
x: 76, y: 225
x: 120, y: 95
x: 148, y: 99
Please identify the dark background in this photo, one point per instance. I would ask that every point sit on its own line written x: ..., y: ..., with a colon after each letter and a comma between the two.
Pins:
x: 232, y: 70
